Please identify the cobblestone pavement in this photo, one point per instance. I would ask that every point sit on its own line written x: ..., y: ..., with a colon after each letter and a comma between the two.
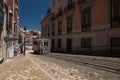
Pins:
x: 22, y: 68
x: 42, y: 67
x: 65, y: 70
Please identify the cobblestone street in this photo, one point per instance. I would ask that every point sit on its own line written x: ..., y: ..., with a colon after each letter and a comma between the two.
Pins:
x: 45, y: 67
x: 22, y: 68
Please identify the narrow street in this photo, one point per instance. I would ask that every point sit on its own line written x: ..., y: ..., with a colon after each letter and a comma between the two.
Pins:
x: 50, y: 67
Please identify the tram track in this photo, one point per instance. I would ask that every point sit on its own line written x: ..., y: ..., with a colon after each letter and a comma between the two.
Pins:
x: 106, y: 65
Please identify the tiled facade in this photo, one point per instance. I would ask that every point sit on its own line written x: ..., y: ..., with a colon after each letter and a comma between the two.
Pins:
x: 84, y: 26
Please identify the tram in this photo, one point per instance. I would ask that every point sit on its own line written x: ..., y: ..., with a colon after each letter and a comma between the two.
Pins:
x: 41, y: 46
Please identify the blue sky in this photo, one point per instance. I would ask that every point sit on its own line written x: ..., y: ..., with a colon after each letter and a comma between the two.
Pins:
x: 31, y: 12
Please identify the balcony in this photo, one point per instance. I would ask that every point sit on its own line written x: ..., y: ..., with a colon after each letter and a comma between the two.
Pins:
x: 60, y: 13
x: 69, y: 6
x: 86, y: 27
x: 81, y: 1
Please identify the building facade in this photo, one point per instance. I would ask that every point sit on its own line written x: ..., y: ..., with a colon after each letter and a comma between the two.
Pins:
x: 1, y: 27
x: 83, y: 26
x: 10, y: 26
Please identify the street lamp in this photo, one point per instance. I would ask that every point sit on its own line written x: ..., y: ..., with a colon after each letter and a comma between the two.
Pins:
x: 24, y: 39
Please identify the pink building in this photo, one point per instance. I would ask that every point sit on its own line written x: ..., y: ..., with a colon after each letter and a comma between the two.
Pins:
x: 84, y: 26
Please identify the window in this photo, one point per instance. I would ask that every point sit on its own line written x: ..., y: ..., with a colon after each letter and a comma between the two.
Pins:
x: 115, y: 42
x: 42, y: 32
x: 69, y: 2
x: 115, y: 46
x: 48, y: 30
x: 53, y: 29
x: 59, y: 27
x: 86, y: 19
x: 60, y: 12
x: 69, y: 44
x: 59, y: 43
x: 52, y: 44
x: 52, y: 16
x: 45, y: 31
x: 69, y: 24
x: 86, y: 42
x: 116, y: 12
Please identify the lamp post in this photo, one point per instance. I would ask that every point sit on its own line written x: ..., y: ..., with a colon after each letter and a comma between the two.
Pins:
x: 24, y: 39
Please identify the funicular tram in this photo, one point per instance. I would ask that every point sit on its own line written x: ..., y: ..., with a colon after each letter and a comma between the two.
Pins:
x: 41, y: 46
